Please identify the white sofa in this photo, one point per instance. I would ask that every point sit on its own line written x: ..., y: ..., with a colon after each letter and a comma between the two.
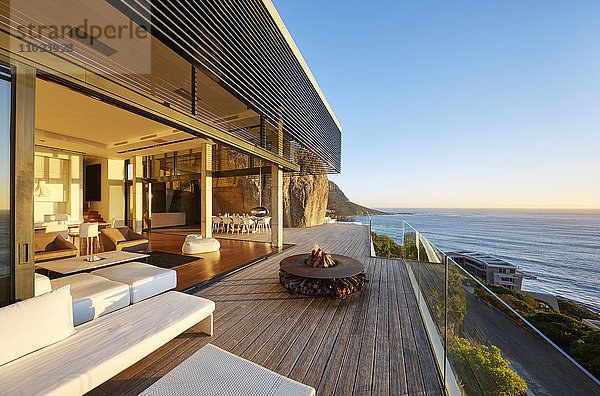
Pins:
x: 99, y: 349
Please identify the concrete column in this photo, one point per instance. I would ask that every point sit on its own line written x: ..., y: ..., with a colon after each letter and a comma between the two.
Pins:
x: 206, y: 190
x: 137, y: 193
x: 24, y: 132
x: 276, y: 206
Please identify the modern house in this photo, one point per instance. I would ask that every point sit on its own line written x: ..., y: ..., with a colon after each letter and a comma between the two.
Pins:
x: 109, y: 107
x: 150, y: 114
x: 491, y: 269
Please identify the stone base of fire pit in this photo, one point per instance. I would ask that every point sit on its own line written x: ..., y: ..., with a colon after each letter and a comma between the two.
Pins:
x: 345, y: 278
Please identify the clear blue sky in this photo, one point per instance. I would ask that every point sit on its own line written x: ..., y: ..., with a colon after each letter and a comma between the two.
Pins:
x: 459, y: 103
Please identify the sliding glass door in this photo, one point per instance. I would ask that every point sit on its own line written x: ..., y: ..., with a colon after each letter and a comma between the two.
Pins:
x: 6, y: 260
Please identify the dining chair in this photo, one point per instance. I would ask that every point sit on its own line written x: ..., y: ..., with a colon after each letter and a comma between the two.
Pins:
x: 49, y: 217
x: 238, y: 222
x: 216, y: 223
x: 246, y: 224
x: 227, y: 224
x: 263, y: 224
x: 89, y: 231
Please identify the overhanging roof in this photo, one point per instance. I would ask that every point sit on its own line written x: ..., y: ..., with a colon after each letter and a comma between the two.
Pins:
x: 244, y: 46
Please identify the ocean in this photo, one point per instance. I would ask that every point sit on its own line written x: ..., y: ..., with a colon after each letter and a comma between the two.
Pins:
x: 561, y: 248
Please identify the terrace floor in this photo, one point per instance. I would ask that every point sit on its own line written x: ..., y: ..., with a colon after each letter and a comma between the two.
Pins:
x: 373, y: 342
x: 233, y: 254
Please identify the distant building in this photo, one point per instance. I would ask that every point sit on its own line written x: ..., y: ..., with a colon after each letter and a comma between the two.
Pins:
x: 494, y: 270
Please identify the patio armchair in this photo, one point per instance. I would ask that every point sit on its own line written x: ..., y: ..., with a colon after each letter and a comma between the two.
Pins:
x: 122, y: 238
x: 52, y: 246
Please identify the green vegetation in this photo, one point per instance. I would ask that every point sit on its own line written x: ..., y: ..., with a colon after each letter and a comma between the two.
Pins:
x: 385, y: 246
x: 575, y: 311
x: 483, y: 368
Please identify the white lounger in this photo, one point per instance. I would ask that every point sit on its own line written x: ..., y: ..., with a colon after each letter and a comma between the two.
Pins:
x: 105, y: 346
x: 214, y: 372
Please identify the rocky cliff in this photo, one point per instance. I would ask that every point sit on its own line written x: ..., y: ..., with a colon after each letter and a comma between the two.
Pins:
x: 304, y: 197
x: 305, y: 200
x: 341, y: 206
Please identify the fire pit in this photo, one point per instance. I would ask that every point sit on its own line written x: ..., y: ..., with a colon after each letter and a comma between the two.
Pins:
x: 321, y: 274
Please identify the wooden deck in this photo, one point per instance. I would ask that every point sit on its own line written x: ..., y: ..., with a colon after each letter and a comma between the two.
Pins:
x: 233, y: 254
x: 371, y: 343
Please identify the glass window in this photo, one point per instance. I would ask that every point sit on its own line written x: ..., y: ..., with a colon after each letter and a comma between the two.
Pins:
x: 5, y: 190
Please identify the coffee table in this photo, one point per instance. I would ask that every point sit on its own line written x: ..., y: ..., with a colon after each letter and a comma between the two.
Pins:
x: 79, y: 264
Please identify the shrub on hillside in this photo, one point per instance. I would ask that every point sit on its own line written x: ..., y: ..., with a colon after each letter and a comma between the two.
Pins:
x: 386, y: 246
x: 575, y: 311
x: 483, y: 370
x: 560, y: 328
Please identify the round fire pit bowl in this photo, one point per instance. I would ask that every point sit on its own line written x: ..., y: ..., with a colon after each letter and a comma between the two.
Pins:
x: 345, y: 278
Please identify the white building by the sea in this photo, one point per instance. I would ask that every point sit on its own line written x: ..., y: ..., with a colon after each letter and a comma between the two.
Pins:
x: 491, y: 269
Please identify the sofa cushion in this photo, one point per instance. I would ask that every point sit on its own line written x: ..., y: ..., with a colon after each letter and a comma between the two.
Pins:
x: 93, y: 295
x: 35, y: 323
x: 114, y: 234
x: 144, y: 280
x: 104, y: 347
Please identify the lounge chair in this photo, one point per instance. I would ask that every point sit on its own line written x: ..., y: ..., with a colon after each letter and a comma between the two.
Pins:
x: 51, y: 246
x: 122, y: 238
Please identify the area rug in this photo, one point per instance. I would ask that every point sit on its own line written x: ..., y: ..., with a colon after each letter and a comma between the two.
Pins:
x: 169, y: 260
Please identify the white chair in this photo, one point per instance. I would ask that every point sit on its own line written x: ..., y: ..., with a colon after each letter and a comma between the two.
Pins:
x: 247, y: 223
x: 264, y: 223
x: 113, y: 221
x: 216, y: 223
x: 62, y: 229
x: 238, y: 224
x: 48, y: 218
x: 89, y: 231
x: 227, y: 224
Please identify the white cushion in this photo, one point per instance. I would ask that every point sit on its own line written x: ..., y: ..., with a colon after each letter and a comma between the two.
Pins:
x: 42, y: 284
x: 197, y: 246
x: 34, y: 323
x: 93, y: 295
x: 103, y: 347
x: 193, y: 236
x: 144, y: 280
x: 214, y: 372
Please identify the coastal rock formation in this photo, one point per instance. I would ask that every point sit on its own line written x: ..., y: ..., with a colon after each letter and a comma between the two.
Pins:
x: 304, y: 197
x: 305, y: 200
x: 341, y: 206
